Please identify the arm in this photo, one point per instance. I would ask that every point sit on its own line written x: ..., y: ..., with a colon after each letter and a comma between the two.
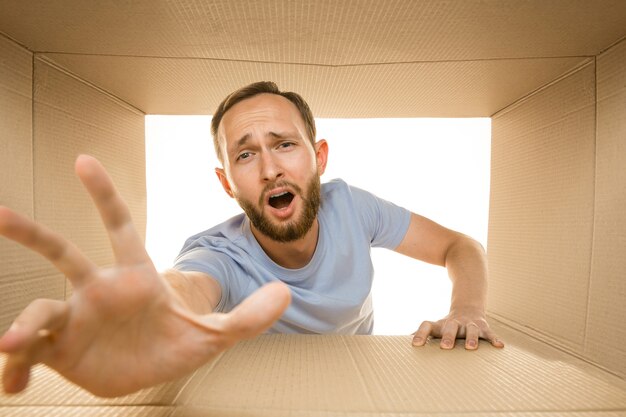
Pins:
x: 150, y: 327
x: 198, y: 291
x: 466, y: 263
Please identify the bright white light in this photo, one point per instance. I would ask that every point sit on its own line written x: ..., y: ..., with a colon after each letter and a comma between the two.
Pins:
x: 438, y: 168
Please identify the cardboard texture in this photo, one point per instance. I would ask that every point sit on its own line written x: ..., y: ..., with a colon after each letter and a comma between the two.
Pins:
x: 417, y: 58
x: 385, y: 375
x: 92, y: 122
x: 23, y: 274
x: 556, y: 228
x: 606, y: 334
x: 47, y: 128
x: 424, y: 89
x: 345, y: 33
x: 71, y: 396
x: 134, y: 411
x: 304, y: 375
x: 541, y: 208
x: 78, y: 77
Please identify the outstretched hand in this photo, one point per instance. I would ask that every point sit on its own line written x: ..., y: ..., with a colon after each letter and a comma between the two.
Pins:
x: 124, y: 328
x: 469, y: 325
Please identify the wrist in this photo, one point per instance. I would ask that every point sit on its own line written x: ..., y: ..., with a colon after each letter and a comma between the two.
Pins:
x: 177, y: 286
x: 472, y: 310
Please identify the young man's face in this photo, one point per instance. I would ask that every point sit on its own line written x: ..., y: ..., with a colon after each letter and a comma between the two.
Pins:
x: 270, y: 166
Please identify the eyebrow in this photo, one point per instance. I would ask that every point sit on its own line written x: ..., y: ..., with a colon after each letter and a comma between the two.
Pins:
x: 276, y: 135
x: 242, y: 141
x: 284, y: 135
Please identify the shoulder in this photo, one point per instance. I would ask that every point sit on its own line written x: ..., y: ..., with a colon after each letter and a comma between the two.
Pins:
x: 336, y: 194
x: 337, y: 191
x: 336, y: 185
x: 219, y: 235
x: 337, y: 188
x: 217, y: 251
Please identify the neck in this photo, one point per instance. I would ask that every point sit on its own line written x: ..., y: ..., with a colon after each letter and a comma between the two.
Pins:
x: 292, y: 255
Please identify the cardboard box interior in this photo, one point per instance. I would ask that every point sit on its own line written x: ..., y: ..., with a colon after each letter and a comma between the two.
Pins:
x: 79, y: 78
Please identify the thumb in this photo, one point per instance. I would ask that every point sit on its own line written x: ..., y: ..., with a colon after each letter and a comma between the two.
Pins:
x: 259, y: 311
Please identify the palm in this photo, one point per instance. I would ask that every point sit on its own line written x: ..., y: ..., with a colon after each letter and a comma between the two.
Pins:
x: 136, y: 330
x: 123, y: 328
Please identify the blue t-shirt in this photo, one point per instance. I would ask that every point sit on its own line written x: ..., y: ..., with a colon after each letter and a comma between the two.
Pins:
x: 332, y: 293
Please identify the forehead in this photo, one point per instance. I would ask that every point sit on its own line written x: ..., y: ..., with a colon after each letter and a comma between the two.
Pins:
x: 263, y: 112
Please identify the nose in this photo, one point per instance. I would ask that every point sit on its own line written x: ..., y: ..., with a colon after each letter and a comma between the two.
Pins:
x: 270, y: 167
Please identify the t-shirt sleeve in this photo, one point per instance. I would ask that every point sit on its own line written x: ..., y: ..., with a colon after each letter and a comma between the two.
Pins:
x: 385, y: 222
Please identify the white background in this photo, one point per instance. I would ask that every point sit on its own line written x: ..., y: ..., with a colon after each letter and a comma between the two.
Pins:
x: 438, y: 168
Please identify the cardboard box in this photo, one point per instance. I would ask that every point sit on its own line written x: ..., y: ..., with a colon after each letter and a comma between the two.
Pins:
x: 78, y: 77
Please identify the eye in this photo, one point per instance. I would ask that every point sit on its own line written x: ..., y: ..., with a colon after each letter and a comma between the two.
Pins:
x: 243, y: 156
x: 285, y: 145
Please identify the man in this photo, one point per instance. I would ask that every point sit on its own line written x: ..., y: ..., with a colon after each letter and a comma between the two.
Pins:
x: 298, y: 241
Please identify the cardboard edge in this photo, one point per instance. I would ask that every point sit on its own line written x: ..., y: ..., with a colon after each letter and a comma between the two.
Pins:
x: 547, y: 340
x: 12, y: 39
x: 512, y: 106
x: 47, y: 60
x: 191, y: 386
x: 611, y: 46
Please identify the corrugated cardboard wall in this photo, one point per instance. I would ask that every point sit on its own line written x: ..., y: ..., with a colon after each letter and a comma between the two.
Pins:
x: 556, y: 227
x: 23, y: 274
x: 71, y: 118
x: 414, y: 89
x: 48, y: 117
x: 606, y: 331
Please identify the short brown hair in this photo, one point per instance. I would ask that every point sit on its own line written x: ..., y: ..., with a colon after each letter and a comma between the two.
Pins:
x: 252, y: 90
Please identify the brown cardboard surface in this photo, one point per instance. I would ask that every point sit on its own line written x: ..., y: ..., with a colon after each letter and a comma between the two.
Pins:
x: 384, y: 375
x: 541, y: 209
x: 16, y: 69
x: 22, y: 274
x: 47, y: 389
x: 350, y: 32
x: 130, y: 411
x: 202, y: 412
x: 418, y: 58
x: 303, y: 375
x: 72, y: 117
x: 606, y: 334
x: 419, y: 89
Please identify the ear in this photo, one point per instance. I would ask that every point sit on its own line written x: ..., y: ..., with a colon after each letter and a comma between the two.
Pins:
x: 221, y: 175
x: 321, y: 154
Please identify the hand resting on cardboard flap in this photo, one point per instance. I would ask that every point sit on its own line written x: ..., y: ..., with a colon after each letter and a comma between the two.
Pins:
x: 466, y: 262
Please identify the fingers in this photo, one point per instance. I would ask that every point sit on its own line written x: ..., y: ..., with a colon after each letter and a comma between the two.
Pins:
x: 59, y: 251
x: 128, y: 246
x: 491, y: 337
x: 448, y: 334
x: 446, y: 329
x: 420, y: 337
x: 258, y: 312
x: 40, y: 319
x: 451, y: 329
x: 472, y: 334
x: 30, y: 340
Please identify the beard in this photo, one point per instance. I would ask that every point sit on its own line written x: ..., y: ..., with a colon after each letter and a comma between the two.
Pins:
x: 293, y: 229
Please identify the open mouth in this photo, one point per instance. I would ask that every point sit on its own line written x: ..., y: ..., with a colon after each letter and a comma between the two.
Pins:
x: 281, y: 200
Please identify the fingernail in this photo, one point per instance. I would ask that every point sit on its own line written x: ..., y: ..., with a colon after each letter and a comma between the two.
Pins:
x: 471, y: 343
x: 418, y: 341
x: 446, y: 343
